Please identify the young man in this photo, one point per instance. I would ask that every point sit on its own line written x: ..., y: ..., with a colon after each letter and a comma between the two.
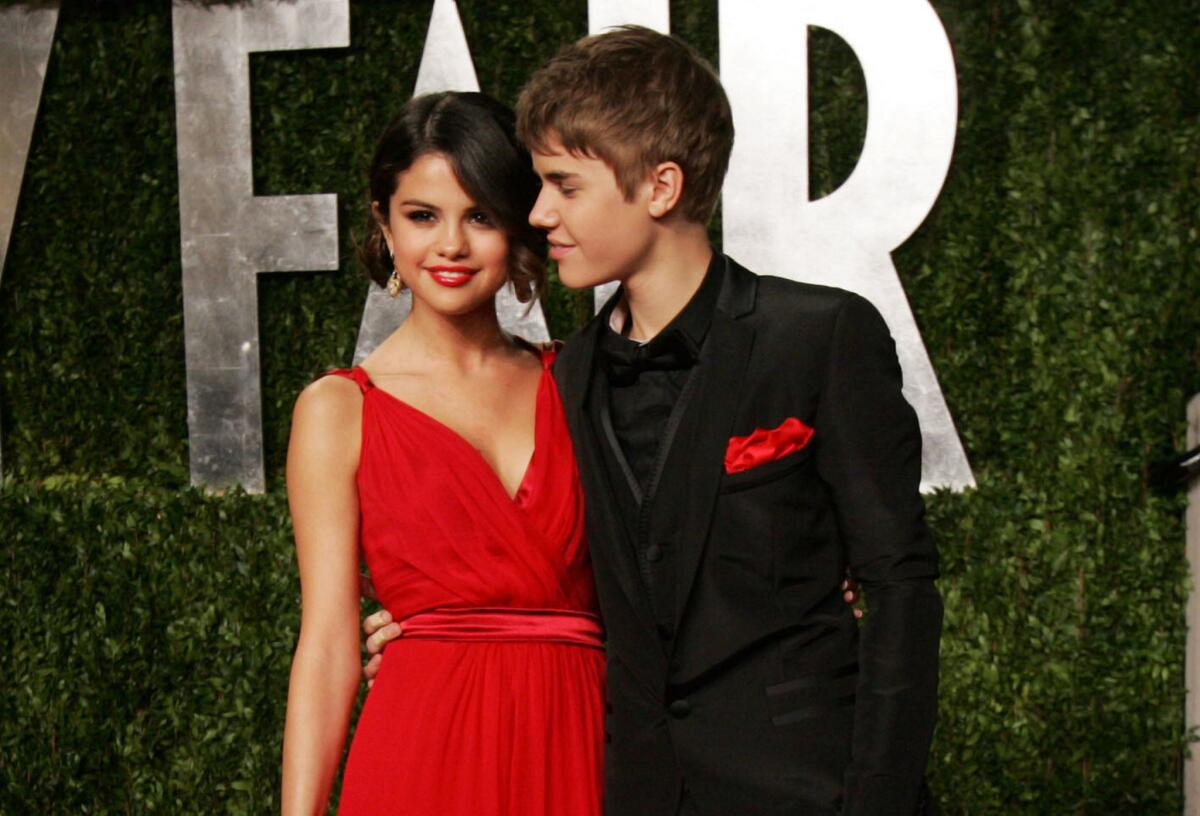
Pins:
x: 742, y: 441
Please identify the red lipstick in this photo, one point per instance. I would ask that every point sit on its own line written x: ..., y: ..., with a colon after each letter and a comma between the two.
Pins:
x: 451, y: 275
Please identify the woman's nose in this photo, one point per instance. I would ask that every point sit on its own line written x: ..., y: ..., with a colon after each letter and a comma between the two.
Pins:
x: 452, y: 242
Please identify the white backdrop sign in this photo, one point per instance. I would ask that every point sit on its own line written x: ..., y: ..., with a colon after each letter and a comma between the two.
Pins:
x: 229, y: 235
x: 845, y: 239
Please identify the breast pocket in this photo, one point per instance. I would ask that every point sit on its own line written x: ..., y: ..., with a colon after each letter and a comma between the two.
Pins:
x: 766, y: 473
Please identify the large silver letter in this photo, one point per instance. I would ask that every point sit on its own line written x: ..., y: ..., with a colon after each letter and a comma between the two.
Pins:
x: 446, y: 65
x: 603, y: 15
x: 846, y: 238
x: 228, y: 234
x: 26, y: 34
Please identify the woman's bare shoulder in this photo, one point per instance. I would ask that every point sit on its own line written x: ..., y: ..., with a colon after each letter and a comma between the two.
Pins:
x: 329, y: 399
x: 327, y: 425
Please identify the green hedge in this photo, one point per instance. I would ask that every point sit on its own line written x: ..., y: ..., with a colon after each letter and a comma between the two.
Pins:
x: 145, y: 630
x: 146, y: 638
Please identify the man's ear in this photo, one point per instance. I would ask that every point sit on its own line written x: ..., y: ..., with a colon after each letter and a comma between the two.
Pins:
x: 666, y: 180
x: 377, y: 214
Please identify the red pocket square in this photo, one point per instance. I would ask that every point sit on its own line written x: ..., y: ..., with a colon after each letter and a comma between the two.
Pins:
x: 762, y: 446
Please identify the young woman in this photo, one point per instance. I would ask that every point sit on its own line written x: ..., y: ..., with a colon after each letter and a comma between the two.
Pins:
x: 444, y: 458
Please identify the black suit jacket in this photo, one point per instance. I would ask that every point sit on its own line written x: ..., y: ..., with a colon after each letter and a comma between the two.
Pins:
x: 769, y: 698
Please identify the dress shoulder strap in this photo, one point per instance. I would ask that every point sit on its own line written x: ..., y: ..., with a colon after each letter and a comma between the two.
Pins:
x: 549, y: 350
x: 357, y: 374
x: 546, y: 351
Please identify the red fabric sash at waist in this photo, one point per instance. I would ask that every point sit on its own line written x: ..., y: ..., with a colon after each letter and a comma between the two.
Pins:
x: 506, y: 626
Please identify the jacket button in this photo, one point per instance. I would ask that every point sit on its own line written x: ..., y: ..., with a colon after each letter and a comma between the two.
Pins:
x: 680, y: 709
x: 654, y: 553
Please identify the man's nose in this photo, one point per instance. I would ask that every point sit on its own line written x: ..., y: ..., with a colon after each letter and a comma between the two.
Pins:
x: 543, y: 216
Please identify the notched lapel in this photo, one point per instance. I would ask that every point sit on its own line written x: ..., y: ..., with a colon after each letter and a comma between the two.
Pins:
x: 725, y: 358
x: 615, y: 552
x: 573, y: 371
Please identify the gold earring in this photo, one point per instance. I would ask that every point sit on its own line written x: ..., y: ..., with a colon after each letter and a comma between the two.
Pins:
x: 394, y: 284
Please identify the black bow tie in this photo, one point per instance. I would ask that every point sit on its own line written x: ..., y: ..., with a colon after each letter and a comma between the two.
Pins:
x: 624, y: 361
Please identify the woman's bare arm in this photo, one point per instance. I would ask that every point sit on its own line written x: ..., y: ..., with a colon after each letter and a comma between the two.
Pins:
x: 322, y: 460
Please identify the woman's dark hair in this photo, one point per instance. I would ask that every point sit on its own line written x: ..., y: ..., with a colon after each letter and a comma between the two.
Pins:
x: 477, y: 136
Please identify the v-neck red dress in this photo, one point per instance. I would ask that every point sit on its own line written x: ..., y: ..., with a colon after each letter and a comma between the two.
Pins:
x: 492, y: 701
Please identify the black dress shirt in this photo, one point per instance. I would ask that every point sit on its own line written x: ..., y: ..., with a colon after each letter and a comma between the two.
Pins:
x: 639, y: 404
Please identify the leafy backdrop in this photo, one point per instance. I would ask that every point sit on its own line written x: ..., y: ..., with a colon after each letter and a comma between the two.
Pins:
x: 146, y: 629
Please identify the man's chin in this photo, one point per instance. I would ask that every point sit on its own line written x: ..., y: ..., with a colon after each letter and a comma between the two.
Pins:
x: 583, y: 279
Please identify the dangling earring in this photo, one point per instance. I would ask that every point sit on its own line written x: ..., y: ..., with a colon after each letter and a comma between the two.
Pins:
x: 394, y: 283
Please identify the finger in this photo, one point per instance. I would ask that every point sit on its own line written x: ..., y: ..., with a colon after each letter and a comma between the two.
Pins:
x: 371, y: 668
x: 849, y: 597
x: 377, y: 641
x: 845, y: 584
x: 372, y: 623
x: 858, y: 613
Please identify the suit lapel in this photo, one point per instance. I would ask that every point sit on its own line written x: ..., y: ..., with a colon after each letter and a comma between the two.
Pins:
x: 573, y: 371
x: 714, y: 405
x: 611, y: 549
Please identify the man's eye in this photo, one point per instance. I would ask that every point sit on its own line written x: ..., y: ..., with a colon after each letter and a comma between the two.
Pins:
x: 567, y: 191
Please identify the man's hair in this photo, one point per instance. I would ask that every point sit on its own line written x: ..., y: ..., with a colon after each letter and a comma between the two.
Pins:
x: 634, y: 98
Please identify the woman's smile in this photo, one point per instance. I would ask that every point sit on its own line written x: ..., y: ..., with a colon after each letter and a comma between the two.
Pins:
x: 451, y: 275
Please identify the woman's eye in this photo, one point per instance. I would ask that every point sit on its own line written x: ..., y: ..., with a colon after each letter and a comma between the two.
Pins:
x: 419, y: 216
x: 482, y: 218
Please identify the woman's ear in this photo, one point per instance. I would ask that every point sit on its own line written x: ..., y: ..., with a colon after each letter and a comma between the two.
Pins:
x: 666, y: 180
x: 377, y: 213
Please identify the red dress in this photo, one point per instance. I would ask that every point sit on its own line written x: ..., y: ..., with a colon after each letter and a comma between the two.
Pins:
x: 492, y: 701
